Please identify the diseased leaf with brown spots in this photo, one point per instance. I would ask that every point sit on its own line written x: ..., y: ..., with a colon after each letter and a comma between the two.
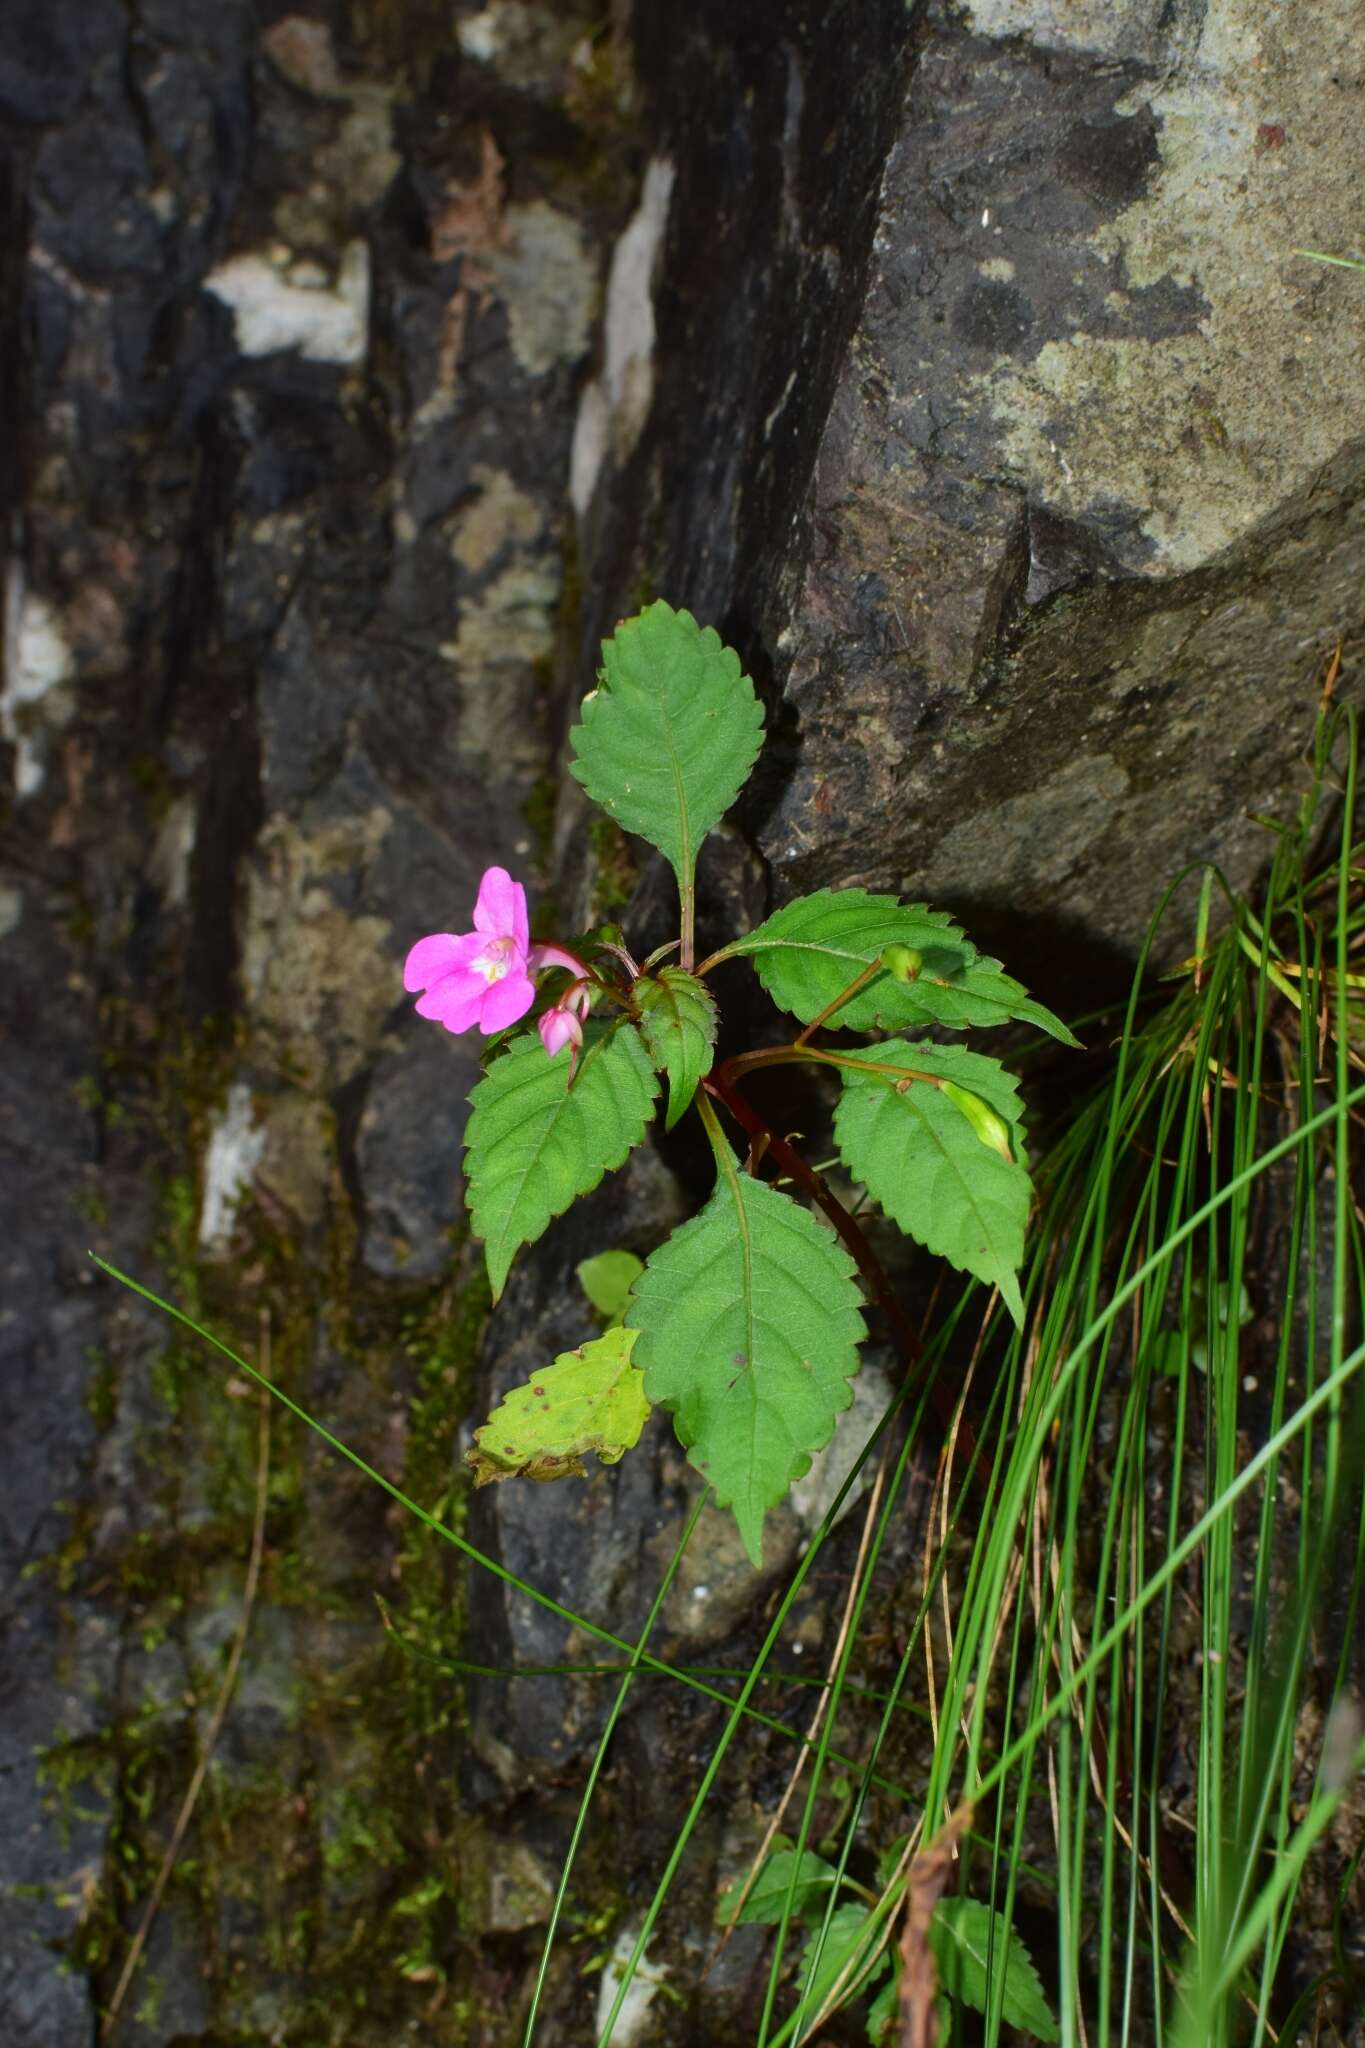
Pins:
x: 592, y: 1399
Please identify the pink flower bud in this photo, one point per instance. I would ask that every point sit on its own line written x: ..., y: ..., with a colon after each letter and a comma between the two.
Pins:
x: 562, y: 1024
x: 559, y: 1027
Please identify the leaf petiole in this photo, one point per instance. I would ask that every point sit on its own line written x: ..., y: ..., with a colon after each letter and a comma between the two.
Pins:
x: 687, y: 944
x: 787, y: 1055
x: 859, y: 981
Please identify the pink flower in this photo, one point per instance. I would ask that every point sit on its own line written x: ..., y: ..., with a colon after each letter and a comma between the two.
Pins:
x: 479, y: 977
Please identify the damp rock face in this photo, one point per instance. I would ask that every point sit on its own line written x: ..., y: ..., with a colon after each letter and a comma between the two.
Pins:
x: 295, y: 305
x: 1056, y: 586
x: 1086, y: 521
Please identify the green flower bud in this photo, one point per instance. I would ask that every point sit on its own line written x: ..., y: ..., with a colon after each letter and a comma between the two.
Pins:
x: 990, y: 1128
x: 904, y: 962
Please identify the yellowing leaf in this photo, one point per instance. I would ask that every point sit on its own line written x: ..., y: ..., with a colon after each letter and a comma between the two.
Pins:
x: 592, y: 1399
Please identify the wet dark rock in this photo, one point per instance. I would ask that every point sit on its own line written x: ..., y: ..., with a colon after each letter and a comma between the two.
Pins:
x: 408, y: 1153
x: 1011, y: 673
x: 57, y: 1654
x: 48, y: 48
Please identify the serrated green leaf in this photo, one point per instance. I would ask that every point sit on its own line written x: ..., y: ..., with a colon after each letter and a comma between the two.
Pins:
x: 767, y: 1900
x: 981, y: 993
x: 749, y: 1320
x: 669, y: 735
x: 847, y: 1927
x: 533, y: 1142
x: 678, y: 1021
x: 810, y: 950
x: 607, y: 1280
x: 591, y: 1399
x: 963, y: 1939
x: 919, y: 1157
x: 975, y: 1071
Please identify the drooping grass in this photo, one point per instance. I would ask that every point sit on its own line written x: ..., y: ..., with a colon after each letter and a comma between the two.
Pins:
x: 1174, y: 1505
x: 1143, y: 1569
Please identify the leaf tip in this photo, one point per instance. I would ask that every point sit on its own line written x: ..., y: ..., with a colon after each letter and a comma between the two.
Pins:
x: 750, y: 1534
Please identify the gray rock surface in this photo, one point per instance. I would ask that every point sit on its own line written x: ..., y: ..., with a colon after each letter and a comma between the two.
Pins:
x: 1086, y: 521
x: 1063, y: 557
x: 58, y: 1654
x: 293, y: 309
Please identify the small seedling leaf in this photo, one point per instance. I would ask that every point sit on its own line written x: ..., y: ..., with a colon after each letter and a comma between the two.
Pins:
x: 767, y: 1900
x: 678, y: 1021
x: 607, y: 1279
x: 847, y: 1930
x: 969, y: 1941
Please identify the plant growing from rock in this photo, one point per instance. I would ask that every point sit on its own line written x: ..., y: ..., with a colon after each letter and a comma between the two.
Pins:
x: 745, y: 1323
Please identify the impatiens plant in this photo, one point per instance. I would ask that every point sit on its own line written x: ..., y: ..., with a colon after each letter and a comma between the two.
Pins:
x: 745, y: 1323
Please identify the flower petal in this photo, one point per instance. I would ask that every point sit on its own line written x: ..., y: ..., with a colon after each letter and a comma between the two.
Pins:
x: 542, y: 956
x: 441, y: 953
x: 501, y: 908
x: 456, y: 1001
x: 505, y: 1001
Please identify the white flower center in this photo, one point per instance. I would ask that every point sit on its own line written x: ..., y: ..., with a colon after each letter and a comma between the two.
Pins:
x: 494, y: 960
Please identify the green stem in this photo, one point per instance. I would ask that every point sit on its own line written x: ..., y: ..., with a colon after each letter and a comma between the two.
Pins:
x: 869, y: 973
x: 787, y: 1055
